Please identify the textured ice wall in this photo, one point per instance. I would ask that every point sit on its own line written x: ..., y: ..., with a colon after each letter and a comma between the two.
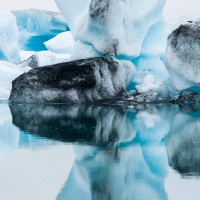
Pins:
x: 37, y: 26
x: 8, y: 38
x: 110, y: 27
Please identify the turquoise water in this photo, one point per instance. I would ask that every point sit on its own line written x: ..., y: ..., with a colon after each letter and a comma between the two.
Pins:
x: 81, y: 152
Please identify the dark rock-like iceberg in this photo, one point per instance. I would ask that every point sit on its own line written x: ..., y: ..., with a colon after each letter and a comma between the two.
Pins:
x: 182, y: 57
x: 93, y: 80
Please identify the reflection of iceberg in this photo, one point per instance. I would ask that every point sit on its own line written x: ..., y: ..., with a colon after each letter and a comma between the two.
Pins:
x: 183, y: 141
x: 9, y: 134
x: 136, y: 162
x: 11, y: 138
x: 114, y: 174
x: 125, y: 172
x: 120, y: 151
x: 97, y: 125
x: 94, y: 125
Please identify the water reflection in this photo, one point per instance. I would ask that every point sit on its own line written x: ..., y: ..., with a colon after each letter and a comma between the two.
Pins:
x: 121, y: 152
x: 183, y: 141
x: 95, y: 125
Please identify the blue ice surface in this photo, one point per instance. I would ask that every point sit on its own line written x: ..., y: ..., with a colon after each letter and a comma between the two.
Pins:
x: 38, y: 26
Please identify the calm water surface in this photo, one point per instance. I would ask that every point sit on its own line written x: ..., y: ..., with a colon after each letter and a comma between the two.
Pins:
x: 99, y: 152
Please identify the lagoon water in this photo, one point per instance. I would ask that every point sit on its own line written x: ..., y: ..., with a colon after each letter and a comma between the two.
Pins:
x: 99, y: 152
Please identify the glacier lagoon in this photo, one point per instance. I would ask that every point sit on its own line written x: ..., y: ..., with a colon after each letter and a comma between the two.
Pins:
x: 99, y: 151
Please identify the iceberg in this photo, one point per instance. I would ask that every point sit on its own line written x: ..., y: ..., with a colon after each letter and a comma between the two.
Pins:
x: 95, y: 25
x: 38, y: 26
x: 8, y: 38
x: 93, y: 80
x: 137, y: 33
x: 182, y: 57
x: 135, y: 37
x: 62, y: 43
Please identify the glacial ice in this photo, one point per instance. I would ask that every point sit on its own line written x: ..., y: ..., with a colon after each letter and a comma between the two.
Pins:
x: 8, y: 38
x: 38, y: 26
x: 137, y: 33
x: 63, y: 43
x: 95, y: 23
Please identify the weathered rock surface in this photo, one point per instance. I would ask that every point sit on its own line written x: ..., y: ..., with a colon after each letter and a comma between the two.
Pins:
x: 182, y: 57
x: 95, y: 79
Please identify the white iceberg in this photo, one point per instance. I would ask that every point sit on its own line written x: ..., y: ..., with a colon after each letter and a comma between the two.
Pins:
x: 96, y: 25
x: 37, y: 26
x: 8, y: 38
x: 137, y: 33
x: 63, y: 43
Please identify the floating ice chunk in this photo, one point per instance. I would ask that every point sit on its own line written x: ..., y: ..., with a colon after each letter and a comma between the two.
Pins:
x: 149, y: 79
x: 95, y: 23
x: 8, y: 38
x: 148, y: 85
x: 63, y: 43
x: 37, y: 26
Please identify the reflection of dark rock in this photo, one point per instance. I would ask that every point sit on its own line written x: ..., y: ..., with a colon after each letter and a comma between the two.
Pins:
x: 93, y: 125
x: 94, y: 79
x: 183, y: 143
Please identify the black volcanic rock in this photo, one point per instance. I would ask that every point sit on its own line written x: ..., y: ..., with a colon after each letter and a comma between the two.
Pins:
x: 95, y: 79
